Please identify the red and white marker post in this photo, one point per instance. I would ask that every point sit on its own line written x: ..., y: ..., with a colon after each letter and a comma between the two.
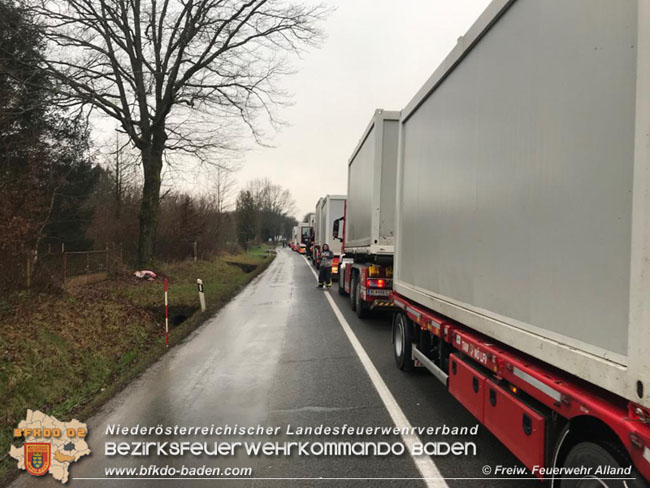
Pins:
x: 166, y: 318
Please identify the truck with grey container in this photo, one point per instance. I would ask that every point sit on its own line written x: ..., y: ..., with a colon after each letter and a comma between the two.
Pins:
x: 329, y: 209
x: 522, y: 252
x: 367, y: 230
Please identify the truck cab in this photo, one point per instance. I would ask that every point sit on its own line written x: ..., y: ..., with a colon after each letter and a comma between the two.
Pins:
x: 305, y: 237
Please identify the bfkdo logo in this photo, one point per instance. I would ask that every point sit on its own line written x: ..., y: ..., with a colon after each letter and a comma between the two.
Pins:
x: 37, y: 457
x: 50, y: 446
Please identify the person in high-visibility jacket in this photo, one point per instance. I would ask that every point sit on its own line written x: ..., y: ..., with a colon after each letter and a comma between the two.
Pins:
x: 325, y: 275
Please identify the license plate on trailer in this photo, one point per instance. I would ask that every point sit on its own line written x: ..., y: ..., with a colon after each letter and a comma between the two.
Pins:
x: 378, y: 293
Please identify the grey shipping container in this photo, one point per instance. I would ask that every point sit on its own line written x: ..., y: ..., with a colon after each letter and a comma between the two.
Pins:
x: 328, y: 209
x: 370, y: 215
x: 523, y: 187
x: 317, y: 221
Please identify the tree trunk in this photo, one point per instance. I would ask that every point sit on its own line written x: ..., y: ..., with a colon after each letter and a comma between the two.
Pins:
x: 150, y: 206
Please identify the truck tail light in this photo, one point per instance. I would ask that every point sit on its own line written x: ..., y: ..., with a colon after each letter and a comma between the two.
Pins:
x: 375, y: 283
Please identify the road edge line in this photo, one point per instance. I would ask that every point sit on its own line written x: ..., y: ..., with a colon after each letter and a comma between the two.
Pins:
x: 425, y: 465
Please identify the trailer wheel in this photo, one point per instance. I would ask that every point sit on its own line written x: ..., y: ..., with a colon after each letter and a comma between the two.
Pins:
x: 361, y: 306
x: 596, y: 456
x: 402, y: 340
x: 353, y: 290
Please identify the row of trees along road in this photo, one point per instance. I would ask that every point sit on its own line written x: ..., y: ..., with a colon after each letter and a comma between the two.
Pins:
x: 264, y: 211
x: 182, y: 76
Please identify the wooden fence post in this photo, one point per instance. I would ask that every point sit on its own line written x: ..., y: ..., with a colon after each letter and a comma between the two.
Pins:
x: 65, y: 267
x: 28, y: 271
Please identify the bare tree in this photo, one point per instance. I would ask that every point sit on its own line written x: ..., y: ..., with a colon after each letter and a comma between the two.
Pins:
x: 122, y: 163
x: 274, y: 205
x: 176, y: 74
x: 271, y: 197
x: 223, y: 188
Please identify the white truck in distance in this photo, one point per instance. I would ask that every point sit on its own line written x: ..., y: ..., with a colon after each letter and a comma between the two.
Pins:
x: 329, y: 209
x: 301, y: 236
x: 295, y: 239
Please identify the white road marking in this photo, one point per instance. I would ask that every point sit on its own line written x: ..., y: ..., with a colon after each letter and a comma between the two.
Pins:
x: 428, y: 469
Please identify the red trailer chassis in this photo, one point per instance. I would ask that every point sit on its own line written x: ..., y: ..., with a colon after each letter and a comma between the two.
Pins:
x: 537, y: 411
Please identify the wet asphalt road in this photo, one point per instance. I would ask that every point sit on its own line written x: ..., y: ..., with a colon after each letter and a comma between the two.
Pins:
x: 277, y: 356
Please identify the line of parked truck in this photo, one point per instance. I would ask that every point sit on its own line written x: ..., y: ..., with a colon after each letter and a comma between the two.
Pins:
x: 503, y: 216
x: 301, y: 236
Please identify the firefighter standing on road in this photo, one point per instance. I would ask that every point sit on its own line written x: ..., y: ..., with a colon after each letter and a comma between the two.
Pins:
x: 325, y: 275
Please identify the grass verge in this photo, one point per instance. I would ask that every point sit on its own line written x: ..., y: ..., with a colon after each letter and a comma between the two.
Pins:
x: 68, y: 353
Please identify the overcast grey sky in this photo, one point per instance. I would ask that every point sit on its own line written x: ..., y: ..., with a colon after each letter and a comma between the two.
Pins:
x: 377, y: 54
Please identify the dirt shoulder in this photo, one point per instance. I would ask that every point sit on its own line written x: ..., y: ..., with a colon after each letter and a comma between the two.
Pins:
x: 67, y: 353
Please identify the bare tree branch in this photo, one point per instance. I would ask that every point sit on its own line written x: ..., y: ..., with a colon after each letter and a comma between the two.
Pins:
x: 190, y: 76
